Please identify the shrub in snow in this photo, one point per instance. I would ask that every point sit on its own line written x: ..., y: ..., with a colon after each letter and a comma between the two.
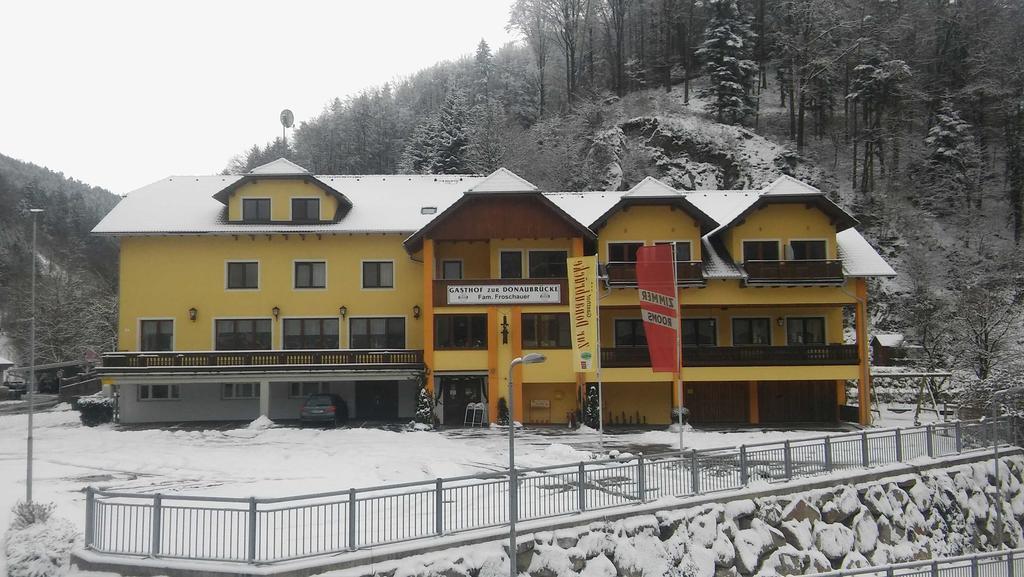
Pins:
x: 95, y: 409
x: 592, y: 408
x: 37, y: 543
x: 424, y: 405
x: 502, y: 411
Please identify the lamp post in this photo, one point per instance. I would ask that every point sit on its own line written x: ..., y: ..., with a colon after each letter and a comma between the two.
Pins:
x: 31, y: 363
x: 513, y: 501
x: 995, y: 459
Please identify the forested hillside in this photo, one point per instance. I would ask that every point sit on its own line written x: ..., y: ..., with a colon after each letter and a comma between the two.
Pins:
x: 910, y: 112
x: 77, y: 272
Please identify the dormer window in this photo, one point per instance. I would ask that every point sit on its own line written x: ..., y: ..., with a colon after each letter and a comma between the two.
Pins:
x: 255, y: 209
x: 305, y: 209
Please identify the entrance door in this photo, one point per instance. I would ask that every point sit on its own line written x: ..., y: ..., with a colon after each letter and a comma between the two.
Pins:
x: 797, y: 401
x: 458, y: 392
x: 377, y: 400
x: 719, y: 402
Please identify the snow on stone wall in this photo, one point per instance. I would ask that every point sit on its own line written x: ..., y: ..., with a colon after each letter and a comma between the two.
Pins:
x: 944, y: 512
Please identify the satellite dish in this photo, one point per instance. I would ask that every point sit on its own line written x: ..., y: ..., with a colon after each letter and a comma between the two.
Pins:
x: 287, y: 118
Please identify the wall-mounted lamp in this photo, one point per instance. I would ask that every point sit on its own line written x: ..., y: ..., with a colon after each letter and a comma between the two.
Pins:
x: 415, y: 311
x: 276, y: 311
x: 192, y: 314
x: 343, y: 310
x: 780, y: 321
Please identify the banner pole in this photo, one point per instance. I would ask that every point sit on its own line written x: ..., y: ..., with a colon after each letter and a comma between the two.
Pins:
x: 679, y: 343
x: 600, y: 386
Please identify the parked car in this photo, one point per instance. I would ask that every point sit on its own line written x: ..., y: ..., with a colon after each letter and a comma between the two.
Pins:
x: 324, y: 409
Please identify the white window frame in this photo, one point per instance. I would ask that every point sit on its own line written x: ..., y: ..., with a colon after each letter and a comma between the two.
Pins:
x: 323, y: 388
x: 523, y: 266
x: 234, y: 396
x: 718, y: 329
x: 320, y: 207
x: 777, y: 241
x: 171, y: 387
x: 341, y: 325
x: 824, y: 329
x: 309, y: 260
x: 138, y: 327
x: 462, y: 268
x: 526, y: 263
x: 362, y: 279
x: 771, y: 331
x: 213, y: 330
x: 789, y: 242
x: 259, y: 274
x: 608, y: 243
x: 687, y: 242
x: 241, y: 208
x: 405, y: 319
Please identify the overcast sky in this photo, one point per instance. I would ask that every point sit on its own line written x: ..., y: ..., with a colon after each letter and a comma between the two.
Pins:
x: 120, y: 94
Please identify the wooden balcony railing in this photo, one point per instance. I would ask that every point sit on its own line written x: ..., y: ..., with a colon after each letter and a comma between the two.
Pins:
x: 623, y: 273
x: 807, y: 272
x: 260, y: 360
x: 739, y: 356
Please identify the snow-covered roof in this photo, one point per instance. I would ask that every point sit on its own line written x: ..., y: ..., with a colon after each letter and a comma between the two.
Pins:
x: 859, y: 257
x: 6, y: 362
x: 281, y: 166
x: 503, y: 180
x: 408, y: 203
x: 889, y: 339
x: 380, y: 203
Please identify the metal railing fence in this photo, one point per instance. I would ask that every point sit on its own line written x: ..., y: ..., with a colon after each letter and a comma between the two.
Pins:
x: 266, y: 530
x: 1008, y: 563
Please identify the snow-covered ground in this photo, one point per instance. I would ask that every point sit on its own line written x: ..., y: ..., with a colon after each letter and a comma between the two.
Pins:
x: 284, y: 461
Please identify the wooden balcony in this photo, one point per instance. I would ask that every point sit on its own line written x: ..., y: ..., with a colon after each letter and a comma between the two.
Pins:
x: 259, y: 361
x: 623, y: 273
x: 793, y: 272
x: 739, y: 356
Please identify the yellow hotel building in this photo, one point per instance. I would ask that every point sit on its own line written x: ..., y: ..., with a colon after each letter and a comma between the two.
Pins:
x: 241, y: 295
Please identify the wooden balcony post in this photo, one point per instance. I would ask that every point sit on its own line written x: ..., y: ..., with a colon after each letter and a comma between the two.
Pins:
x: 864, y: 382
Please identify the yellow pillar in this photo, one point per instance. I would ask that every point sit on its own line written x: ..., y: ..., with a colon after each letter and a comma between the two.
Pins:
x: 755, y: 409
x: 515, y: 329
x: 494, y: 379
x: 864, y: 382
x: 427, y: 318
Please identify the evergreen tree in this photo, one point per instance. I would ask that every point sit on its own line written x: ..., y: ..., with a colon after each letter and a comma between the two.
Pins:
x: 727, y: 51
x: 483, y: 72
x: 424, y: 404
x: 451, y: 141
x: 418, y: 156
x: 487, y: 137
x: 503, y: 411
x: 952, y: 154
x: 592, y: 408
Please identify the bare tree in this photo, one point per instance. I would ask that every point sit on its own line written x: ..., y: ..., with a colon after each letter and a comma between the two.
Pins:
x: 530, y: 18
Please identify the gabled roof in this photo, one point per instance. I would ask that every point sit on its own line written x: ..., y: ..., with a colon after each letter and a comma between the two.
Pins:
x: 788, y: 190
x: 281, y: 166
x: 414, y: 242
x: 284, y: 169
x: 859, y: 258
x: 6, y: 363
x: 889, y: 339
x: 504, y: 180
x: 653, y: 192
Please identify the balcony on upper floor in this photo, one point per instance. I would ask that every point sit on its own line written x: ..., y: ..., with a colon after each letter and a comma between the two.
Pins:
x: 818, y: 272
x: 622, y: 274
x: 742, y: 356
x: 259, y: 360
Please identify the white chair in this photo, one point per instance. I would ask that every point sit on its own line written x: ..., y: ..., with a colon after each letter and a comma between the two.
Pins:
x: 476, y: 415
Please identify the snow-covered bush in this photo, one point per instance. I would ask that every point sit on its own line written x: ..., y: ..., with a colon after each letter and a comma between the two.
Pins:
x: 95, y: 409
x: 502, y: 411
x: 38, y: 543
x: 424, y: 405
x: 592, y: 410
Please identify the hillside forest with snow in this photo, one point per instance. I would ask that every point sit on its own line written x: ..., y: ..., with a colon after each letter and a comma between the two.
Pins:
x: 911, y: 114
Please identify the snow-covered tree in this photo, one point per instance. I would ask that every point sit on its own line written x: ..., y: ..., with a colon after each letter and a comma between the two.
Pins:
x: 727, y: 52
x: 592, y: 408
x: 952, y: 155
x: 503, y: 411
x: 451, y: 140
x: 424, y: 404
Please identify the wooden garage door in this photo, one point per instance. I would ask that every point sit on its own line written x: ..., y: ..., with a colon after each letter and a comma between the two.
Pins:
x: 797, y: 401
x: 717, y: 402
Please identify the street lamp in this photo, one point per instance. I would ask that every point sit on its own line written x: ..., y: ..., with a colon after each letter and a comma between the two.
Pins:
x: 513, y: 502
x: 31, y: 363
x: 995, y: 458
